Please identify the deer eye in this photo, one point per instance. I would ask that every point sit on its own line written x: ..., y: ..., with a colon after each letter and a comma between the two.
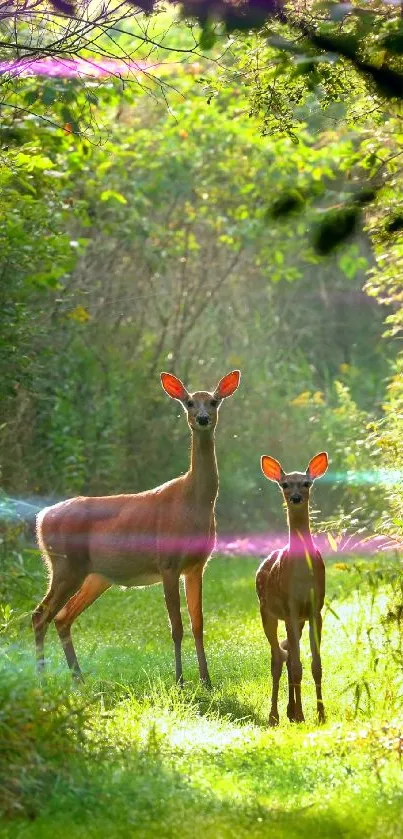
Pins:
x: 214, y: 403
x: 190, y: 403
x: 285, y: 485
x: 307, y: 484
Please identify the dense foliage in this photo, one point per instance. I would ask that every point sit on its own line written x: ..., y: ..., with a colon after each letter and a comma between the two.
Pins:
x: 167, y: 246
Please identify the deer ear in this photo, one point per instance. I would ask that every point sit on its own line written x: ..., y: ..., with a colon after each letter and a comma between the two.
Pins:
x: 318, y: 466
x: 228, y: 384
x: 271, y: 468
x: 173, y: 386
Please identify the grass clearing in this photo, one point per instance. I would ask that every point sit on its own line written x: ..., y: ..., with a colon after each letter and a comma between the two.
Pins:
x: 129, y: 754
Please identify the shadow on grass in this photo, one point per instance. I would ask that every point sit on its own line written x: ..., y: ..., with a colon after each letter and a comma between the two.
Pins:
x: 227, y: 705
x: 160, y: 689
x: 163, y: 693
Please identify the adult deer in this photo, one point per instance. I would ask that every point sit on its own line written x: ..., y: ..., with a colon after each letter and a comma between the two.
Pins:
x: 290, y: 585
x: 89, y: 544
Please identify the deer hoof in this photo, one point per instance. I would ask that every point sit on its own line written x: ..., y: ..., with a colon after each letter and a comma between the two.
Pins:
x: 321, y: 716
x: 206, y: 682
x: 273, y: 720
x: 78, y: 677
x: 296, y: 716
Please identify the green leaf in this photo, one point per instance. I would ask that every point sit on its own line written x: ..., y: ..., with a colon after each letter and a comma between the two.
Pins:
x: 278, y: 257
x: 107, y: 194
x: 31, y: 97
x: 29, y: 162
x: 207, y: 37
x: 49, y: 95
x: 67, y: 115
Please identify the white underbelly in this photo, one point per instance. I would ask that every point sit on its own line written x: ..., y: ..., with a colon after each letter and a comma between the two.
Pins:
x: 142, y: 580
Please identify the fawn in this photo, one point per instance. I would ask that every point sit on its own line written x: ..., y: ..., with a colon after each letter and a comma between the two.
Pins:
x: 290, y: 586
x: 89, y: 544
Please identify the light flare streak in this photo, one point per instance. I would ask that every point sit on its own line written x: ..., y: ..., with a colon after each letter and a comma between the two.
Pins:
x: 74, y: 67
x: 258, y: 544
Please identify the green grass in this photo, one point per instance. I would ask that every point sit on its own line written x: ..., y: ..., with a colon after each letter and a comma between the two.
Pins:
x: 129, y: 754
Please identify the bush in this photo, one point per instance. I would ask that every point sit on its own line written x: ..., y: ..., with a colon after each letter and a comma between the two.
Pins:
x: 40, y: 730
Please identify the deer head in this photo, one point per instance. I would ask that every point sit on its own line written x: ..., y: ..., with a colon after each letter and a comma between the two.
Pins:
x: 295, y: 486
x: 201, y: 407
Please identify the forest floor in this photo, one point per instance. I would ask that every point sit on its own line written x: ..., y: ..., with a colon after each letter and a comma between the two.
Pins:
x: 130, y: 755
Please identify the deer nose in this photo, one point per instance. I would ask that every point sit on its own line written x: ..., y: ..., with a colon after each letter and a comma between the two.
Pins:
x: 203, y: 420
x: 296, y: 499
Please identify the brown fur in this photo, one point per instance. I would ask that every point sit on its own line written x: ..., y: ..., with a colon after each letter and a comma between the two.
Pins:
x: 91, y: 543
x: 290, y: 585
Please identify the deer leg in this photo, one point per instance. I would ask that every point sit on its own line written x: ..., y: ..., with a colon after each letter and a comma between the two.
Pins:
x: 291, y: 691
x: 293, y: 627
x: 315, y: 634
x: 93, y: 586
x: 193, y: 589
x: 172, y: 599
x: 270, y: 625
x: 61, y: 588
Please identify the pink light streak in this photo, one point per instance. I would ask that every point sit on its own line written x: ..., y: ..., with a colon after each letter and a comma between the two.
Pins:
x: 262, y: 544
x: 72, y: 67
x: 137, y: 543
x: 258, y: 544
